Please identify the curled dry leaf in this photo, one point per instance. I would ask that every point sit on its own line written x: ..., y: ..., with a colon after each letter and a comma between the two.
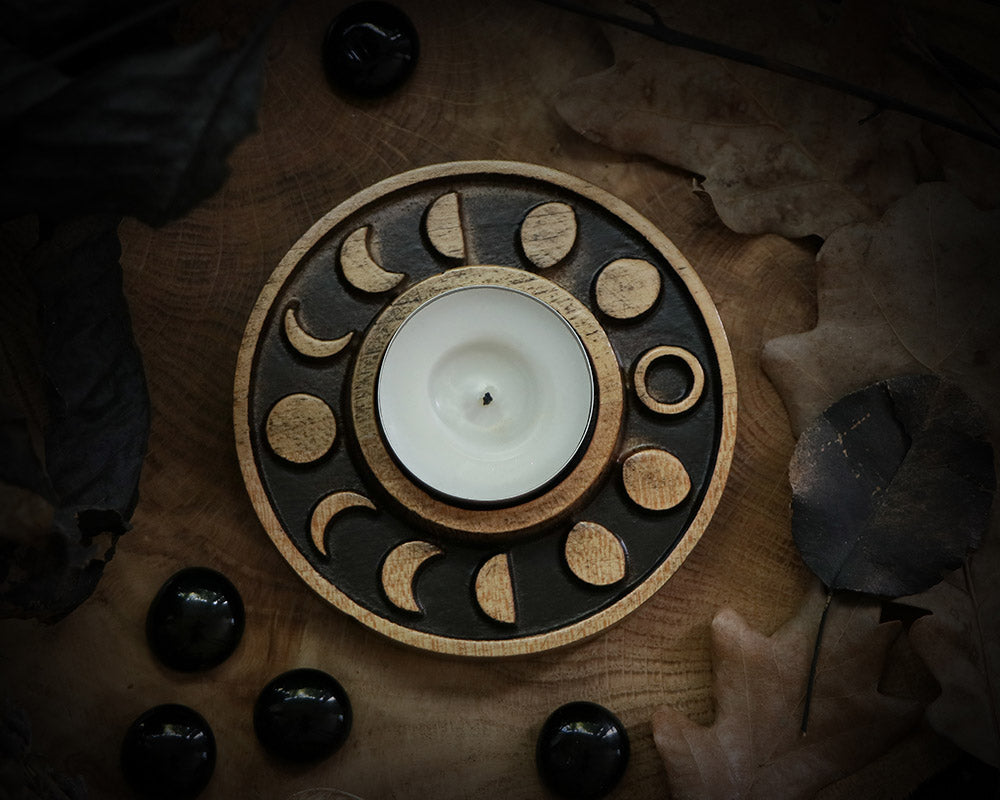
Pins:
x: 754, y: 748
x: 25, y: 775
x: 919, y: 290
x: 146, y: 135
x: 776, y: 154
x: 892, y: 486
x: 960, y: 643
x: 61, y: 527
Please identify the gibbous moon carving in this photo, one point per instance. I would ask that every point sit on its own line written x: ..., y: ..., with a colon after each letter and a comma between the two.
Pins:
x: 655, y: 479
x: 444, y: 226
x: 360, y: 269
x: 548, y: 233
x: 697, y: 379
x: 627, y: 288
x: 399, y: 572
x: 594, y: 554
x: 328, y: 508
x: 309, y: 345
x: 494, y: 590
x: 301, y: 428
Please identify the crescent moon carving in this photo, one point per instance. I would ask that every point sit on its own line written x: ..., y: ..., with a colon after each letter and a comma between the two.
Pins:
x: 444, y: 226
x: 360, y: 269
x: 307, y: 344
x: 328, y: 508
x: 399, y: 573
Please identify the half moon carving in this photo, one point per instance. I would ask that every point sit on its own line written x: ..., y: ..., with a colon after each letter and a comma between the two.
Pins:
x: 399, y: 573
x: 494, y: 590
x: 307, y: 344
x: 328, y: 508
x: 360, y: 269
x: 594, y: 554
x: 444, y: 226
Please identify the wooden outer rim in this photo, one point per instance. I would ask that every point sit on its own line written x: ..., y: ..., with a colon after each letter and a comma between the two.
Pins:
x: 524, y: 517
x: 486, y: 648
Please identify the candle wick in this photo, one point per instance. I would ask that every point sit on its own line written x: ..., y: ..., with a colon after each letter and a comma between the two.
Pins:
x: 487, y: 399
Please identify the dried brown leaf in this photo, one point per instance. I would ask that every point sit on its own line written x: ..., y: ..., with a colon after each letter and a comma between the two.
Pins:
x: 776, y: 154
x: 960, y: 643
x: 917, y: 291
x: 754, y: 748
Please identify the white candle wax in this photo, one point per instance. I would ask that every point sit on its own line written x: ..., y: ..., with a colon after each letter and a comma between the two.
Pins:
x: 485, y: 394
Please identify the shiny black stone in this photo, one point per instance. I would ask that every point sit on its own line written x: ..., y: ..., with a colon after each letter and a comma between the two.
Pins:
x: 582, y: 751
x: 168, y: 753
x: 196, y: 620
x: 370, y: 49
x: 302, y: 715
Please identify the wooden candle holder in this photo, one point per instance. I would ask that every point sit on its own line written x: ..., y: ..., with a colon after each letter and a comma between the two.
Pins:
x: 541, y: 571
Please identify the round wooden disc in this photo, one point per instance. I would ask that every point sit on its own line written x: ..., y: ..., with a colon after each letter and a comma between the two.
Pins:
x: 544, y: 571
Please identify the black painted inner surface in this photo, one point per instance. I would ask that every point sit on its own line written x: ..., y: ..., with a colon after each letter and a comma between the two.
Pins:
x: 547, y: 595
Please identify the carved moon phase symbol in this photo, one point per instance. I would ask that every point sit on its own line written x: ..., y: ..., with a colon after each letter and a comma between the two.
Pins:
x: 627, y: 288
x: 494, y: 590
x: 443, y: 224
x: 328, y: 508
x: 655, y: 479
x: 399, y: 573
x: 361, y: 269
x: 301, y: 428
x: 548, y: 233
x: 594, y: 554
x: 307, y: 344
x: 697, y: 379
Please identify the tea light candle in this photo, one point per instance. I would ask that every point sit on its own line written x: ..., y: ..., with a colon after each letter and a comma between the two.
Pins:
x: 485, y: 394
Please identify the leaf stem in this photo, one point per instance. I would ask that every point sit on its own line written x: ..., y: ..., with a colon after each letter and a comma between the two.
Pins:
x: 815, y: 660
x: 988, y: 673
x: 657, y: 29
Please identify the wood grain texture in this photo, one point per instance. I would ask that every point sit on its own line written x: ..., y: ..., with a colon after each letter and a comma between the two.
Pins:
x: 655, y: 479
x: 399, y: 571
x: 307, y: 344
x: 627, y: 287
x: 456, y: 729
x: 494, y: 590
x: 360, y: 267
x: 443, y: 223
x: 301, y: 428
x: 595, y: 554
x: 548, y: 233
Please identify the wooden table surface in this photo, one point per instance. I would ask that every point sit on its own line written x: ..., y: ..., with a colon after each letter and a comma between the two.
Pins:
x: 425, y: 726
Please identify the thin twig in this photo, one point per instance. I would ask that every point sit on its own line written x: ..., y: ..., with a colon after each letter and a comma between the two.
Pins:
x: 815, y: 661
x: 655, y: 28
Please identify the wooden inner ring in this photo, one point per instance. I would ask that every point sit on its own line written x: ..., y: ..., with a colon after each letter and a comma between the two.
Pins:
x: 529, y: 515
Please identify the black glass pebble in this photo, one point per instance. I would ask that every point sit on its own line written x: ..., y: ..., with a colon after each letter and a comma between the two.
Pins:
x: 370, y: 49
x: 168, y: 753
x: 582, y: 751
x: 302, y: 715
x: 196, y: 620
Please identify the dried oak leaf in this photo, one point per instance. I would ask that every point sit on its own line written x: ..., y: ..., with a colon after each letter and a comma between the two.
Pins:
x: 146, y: 135
x: 960, y: 643
x: 919, y: 290
x: 754, y: 748
x: 892, y: 486
x: 61, y: 528
x: 775, y: 154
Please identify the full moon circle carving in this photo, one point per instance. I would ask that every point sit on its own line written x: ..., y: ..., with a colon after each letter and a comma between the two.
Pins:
x: 467, y: 570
